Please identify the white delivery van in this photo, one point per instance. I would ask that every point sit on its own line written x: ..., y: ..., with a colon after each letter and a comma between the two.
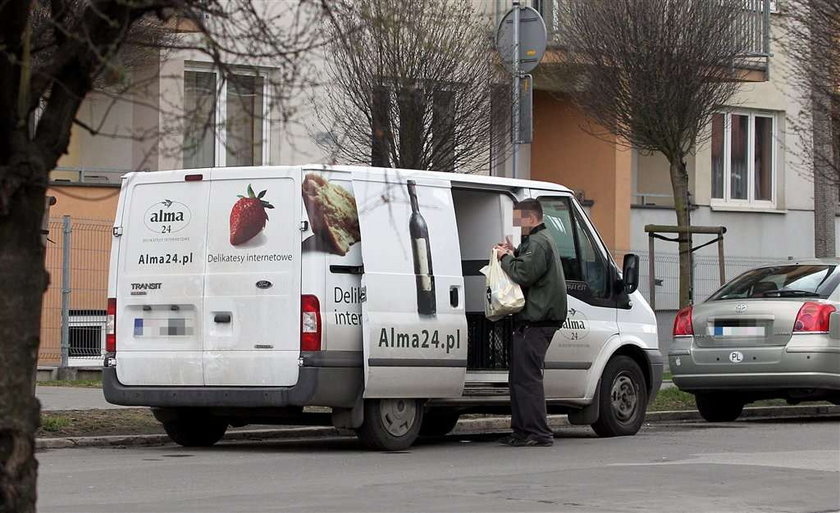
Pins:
x: 243, y: 295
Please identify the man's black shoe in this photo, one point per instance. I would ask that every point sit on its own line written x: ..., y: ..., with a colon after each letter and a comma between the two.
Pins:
x: 510, y: 439
x: 531, y: 442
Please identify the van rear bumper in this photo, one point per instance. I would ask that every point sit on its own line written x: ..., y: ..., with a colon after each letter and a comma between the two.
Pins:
x: 336, y: 386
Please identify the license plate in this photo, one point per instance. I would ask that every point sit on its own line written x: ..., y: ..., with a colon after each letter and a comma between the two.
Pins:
x: 168, y: 327
x: 737, y: 331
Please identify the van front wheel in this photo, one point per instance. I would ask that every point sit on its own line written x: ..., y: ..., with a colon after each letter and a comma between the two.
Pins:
x: 390, y: 424
x: 623, y: 398
x: 195, y: 431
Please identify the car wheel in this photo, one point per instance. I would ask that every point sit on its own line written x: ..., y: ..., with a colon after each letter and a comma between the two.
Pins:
x: 390, y: 424
x: 718, y: 407
x: 623, y: 398
x: 438, y: 422
x: 202, y: 431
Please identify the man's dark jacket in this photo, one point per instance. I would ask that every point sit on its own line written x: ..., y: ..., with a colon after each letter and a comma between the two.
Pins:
x: 536, y: 267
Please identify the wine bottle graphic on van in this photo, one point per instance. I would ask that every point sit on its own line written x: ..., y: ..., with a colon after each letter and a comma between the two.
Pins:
x: 421, y: 251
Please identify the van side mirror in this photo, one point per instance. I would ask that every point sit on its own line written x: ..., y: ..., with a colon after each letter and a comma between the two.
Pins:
x: 630, y: 273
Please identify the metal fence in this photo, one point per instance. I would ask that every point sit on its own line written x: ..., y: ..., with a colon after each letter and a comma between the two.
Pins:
x: 706, y: 275
x: 73, y: 315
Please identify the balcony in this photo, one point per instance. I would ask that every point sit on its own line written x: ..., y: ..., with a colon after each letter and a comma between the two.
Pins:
x: 754, y: 27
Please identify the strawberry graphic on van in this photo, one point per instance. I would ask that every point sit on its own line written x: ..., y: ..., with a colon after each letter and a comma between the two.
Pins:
x: 248, y: 217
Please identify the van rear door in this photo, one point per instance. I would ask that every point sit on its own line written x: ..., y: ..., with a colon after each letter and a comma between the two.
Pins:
x: 414, y: 322
x: 252, y: 314
x: 161, y: 279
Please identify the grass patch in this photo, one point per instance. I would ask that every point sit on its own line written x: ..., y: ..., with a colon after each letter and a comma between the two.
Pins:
x: 672, y: 399
x: 123, y: 421
x: 78, y: 383
x: 667, y: 376
x: 669, y: 399
x: 54, y: 424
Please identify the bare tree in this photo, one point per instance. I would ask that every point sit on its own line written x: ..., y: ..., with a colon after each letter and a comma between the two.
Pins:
x: 652, y: 74
x: 411, y: 85
x: 812, y: 42
x: 53, y: 54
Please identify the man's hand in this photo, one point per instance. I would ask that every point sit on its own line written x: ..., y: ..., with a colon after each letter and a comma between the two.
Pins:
x: 502, y: 250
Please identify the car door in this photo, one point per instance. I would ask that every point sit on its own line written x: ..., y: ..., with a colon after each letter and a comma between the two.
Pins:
x: 414, y: 322
x: 591, y: 320
x: 252, y: 281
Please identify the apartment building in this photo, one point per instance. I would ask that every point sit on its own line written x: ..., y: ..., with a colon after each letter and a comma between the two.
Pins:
x: 748, y: 176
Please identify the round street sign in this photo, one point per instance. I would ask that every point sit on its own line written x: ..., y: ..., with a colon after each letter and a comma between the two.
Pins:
x: 532, y: 39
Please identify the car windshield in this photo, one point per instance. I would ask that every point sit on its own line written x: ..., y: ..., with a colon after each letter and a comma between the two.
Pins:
x: 816, y: 281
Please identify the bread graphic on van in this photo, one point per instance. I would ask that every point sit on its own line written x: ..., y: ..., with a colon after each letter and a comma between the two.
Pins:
x: 332, y: 212
x: 248, y: 217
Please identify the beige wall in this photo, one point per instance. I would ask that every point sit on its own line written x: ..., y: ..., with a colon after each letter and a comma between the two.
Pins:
x: 563, y: 152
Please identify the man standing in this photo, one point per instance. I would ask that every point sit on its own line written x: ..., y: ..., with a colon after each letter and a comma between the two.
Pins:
x: 536, y: 267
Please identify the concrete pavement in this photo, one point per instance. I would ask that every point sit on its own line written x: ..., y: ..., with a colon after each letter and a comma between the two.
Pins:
x: 72, y: 398
x: 770, y: 466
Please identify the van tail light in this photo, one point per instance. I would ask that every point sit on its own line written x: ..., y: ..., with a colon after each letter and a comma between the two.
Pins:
x: 682, y: 323
x: 813, y: 318
x: 310, y: 323
x: 111, y: 326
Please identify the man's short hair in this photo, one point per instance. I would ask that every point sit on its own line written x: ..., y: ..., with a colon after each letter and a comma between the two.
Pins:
x: 531, y: 206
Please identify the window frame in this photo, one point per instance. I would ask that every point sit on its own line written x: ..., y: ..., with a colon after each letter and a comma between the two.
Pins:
x: 613, y: 296
x: 220, y: 100
x: 750, y: 202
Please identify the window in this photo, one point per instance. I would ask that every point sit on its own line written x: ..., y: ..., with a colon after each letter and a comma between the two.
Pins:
x: 743, y: 148
x: 223, y: 133
x: 800, y: 281
x: 586, y: 269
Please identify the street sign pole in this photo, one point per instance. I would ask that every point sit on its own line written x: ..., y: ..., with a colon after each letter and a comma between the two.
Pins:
x: 521, y: 40
x: 515, y: 87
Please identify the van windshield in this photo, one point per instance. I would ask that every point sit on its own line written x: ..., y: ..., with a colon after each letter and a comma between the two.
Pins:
x: 786, y: 281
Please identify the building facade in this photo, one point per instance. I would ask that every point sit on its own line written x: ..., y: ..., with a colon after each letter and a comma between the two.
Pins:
x: 748, y: 174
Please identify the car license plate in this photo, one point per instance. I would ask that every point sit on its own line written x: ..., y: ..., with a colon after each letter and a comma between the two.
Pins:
x: 737, y: 331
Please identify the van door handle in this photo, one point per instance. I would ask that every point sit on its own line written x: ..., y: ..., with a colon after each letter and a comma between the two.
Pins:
x: 453, y: 296
x: 222, y: 318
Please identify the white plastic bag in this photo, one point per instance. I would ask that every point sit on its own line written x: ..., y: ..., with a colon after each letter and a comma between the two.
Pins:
x: 504, y: 297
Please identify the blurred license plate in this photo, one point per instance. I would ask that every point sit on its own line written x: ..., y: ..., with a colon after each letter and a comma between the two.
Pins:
x: 737, y: 331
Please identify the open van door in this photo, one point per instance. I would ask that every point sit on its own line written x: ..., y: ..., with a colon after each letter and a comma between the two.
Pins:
x: 414, y: 322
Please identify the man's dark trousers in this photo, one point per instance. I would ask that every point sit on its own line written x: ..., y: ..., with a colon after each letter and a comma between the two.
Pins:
x: 527, y: 395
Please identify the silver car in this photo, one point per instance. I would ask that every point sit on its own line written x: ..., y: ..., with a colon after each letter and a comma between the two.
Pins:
x: 772, y: 332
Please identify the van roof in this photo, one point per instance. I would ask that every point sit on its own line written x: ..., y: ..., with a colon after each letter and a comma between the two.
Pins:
x: 455, y: 178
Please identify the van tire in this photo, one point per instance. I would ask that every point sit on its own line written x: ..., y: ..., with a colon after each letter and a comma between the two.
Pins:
x: 439, y: 422
x: 718, y: 407
x: 623, y: 398
x: 390, y: 424
x: 202, y: 431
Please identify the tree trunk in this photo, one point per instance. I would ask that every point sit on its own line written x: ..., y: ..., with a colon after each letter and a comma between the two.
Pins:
x: 679, y: 184
x: 825, y: 188
x: 24, y: 279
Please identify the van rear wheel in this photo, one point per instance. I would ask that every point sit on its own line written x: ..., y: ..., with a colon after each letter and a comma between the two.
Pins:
x: 200, y: 431
x: 623, y: 398
x: 390, y: 424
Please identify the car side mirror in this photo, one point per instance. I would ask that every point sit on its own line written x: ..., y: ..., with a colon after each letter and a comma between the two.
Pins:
x: 630, y: 273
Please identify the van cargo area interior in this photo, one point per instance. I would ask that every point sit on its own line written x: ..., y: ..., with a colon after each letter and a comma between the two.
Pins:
x: 485, y: 218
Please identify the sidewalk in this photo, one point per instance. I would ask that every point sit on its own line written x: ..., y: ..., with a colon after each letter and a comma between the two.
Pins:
x: 72, y: 398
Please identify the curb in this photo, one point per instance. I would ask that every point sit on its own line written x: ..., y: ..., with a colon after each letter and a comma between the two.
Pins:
x: 465, y: 426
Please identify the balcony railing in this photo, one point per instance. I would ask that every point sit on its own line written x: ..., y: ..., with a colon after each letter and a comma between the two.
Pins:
x: 754, y: 24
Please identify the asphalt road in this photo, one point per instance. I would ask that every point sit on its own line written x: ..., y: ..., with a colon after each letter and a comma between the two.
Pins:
x: 756, y: 466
